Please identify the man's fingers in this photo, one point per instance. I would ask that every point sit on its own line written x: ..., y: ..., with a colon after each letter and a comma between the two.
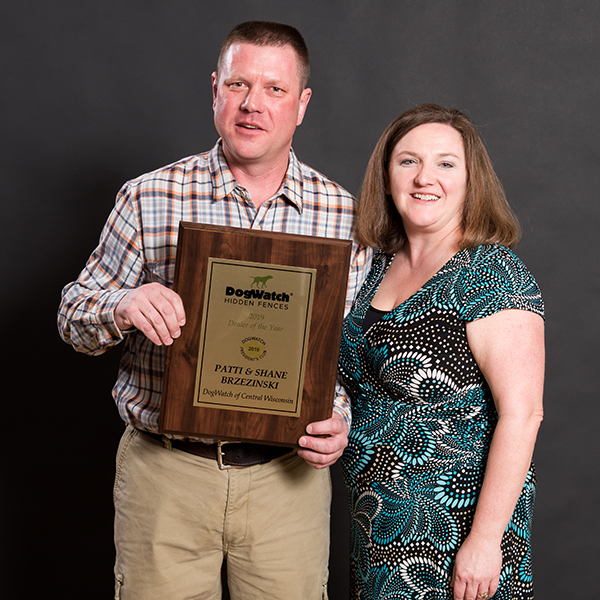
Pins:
x: 154, y: 326
x: 172, y: 305
x: 155, y: 310
x: 325, y: 443
x: 332, y: 426
x: 166, y: 315
x: 319, y: 460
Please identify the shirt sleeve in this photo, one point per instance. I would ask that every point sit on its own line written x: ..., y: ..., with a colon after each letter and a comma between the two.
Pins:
x: 341, y: 404
x: 360, y: 264
x: 86, y: 311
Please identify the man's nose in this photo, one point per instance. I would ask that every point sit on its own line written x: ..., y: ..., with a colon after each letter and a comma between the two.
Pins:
x: 253, y: 102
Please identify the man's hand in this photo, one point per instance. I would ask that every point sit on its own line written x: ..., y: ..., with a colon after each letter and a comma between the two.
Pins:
x: 325, y: 443
x: 155, y: 310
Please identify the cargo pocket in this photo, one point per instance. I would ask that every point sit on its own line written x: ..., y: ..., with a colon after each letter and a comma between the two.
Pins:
x: 118, y: 586
x: 126, y: 439
x: 324, y: 593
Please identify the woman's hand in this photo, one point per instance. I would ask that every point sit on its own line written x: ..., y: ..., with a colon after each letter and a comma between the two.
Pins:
x: 477, y: 569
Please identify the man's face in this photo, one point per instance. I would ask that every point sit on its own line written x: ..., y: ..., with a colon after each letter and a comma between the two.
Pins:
x: 258, y: 104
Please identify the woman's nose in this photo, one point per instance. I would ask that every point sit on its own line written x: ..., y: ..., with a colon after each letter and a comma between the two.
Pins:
x: 424, y: 175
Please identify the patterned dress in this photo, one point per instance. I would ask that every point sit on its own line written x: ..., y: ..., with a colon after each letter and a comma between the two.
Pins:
x: 423, y: 419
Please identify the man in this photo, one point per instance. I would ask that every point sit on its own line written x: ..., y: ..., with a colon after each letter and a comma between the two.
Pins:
x: 177, y: 513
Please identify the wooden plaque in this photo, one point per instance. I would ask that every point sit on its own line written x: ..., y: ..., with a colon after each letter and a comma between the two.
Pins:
x: 257, y: 358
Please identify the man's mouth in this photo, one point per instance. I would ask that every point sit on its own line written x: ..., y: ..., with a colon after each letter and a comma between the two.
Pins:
x: 248, y: 126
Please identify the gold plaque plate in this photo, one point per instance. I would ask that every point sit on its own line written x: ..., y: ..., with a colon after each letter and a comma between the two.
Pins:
x: 252, y: 313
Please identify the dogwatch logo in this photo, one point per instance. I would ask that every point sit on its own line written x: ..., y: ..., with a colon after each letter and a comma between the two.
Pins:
x: 258, y: 290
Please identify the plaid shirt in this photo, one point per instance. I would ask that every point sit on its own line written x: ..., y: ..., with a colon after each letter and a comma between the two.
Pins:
x: 138, y: 246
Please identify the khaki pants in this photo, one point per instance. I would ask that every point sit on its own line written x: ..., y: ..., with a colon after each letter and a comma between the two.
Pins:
x: 177, y: 516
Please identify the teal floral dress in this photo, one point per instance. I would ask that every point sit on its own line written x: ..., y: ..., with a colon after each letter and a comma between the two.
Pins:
x: 423, y: 420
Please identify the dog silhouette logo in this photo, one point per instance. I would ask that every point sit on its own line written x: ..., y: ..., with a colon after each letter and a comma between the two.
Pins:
x: 261, y: 282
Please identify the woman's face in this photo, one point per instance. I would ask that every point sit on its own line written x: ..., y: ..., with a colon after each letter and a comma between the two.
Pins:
x: 428, y: 179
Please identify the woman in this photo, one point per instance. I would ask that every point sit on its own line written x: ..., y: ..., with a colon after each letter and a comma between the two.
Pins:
x: 443, y: 359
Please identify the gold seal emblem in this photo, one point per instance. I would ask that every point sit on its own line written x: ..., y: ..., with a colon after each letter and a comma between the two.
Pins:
x: 253, y: 348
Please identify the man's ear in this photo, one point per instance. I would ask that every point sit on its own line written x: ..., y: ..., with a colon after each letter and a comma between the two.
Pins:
x: 304, y: 99
x: 214, y: 82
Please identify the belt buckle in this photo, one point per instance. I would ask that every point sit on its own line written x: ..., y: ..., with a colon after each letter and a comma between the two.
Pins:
x: 220, y: 454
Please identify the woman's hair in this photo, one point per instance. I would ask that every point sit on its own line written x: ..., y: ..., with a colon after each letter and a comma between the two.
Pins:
x: 487, y: 217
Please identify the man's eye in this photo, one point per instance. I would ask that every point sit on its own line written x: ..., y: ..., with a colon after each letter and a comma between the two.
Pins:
x: 276, y: 89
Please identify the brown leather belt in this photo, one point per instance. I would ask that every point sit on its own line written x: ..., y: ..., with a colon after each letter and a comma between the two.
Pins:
x: 228, y: 455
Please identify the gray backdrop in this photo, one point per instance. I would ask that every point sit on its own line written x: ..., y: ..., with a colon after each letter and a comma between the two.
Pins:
x: 94, y: 93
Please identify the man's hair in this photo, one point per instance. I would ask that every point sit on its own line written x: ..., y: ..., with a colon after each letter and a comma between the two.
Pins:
x: 487, y: 217
x: 269, y: 33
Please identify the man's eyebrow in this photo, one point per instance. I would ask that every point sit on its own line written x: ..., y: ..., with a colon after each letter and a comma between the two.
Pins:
x: 276, y: 82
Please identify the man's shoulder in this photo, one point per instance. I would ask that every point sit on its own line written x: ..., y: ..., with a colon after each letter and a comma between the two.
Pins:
x: 321, y: 182
x: 175, y: 170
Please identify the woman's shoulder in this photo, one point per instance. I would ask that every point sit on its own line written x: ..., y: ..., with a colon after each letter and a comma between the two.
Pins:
x: 381, y: 261
x: 488, y: 259
x: 491, y: 277
x: 492, y: 254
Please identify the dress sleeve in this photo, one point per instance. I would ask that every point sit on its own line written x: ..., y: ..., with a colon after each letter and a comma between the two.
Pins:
x: 495, y: 279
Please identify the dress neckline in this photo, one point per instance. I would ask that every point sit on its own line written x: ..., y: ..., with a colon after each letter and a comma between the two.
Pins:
x: 389, y: 260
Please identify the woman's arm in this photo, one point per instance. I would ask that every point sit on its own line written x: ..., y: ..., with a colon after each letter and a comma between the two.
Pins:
x: 509, y: 349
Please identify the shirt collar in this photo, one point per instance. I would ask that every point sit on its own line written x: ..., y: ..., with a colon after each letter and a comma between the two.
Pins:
x: 224, y: 182
x: 293, y: 184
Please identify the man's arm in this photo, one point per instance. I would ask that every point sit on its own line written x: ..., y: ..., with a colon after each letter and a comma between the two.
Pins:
x: 88, y: 316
